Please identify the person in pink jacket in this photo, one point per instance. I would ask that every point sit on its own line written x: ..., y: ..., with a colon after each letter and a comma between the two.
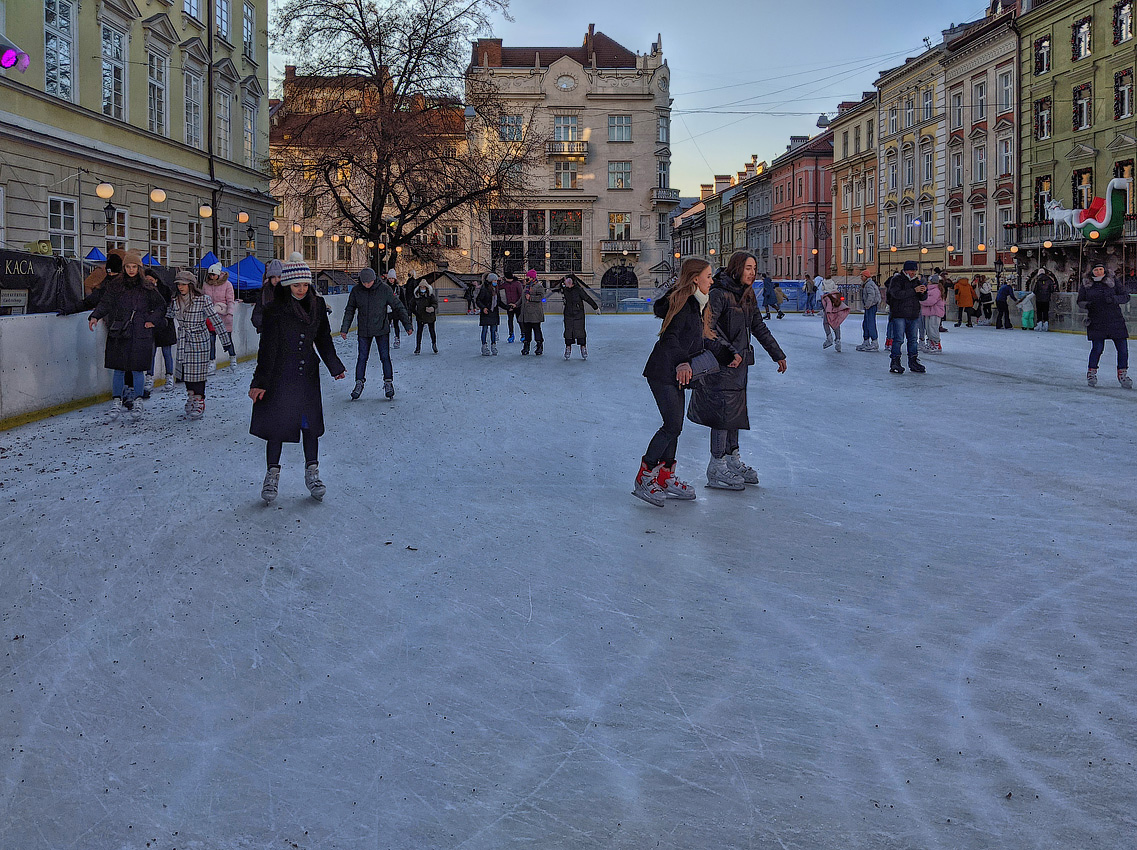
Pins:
x: 833, y: 313
x: 220, y: 291
x: 932, y: 311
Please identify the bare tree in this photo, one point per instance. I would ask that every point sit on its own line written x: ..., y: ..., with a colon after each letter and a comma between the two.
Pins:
x: 383, y: 128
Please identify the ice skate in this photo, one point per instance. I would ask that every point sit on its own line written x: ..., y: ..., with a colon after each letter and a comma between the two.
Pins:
x: 147, y: 386
x: 212, y: 370
x: 198, y: 409
x: 388, y: 389
x: 1124, y: 379
x: 673, y: 486
x: 828, y: 342
x: 435, y: 347
x: 540, y: 349
x: 493, y: 349
x: 189, y: 406
x: 916, y: 366
x: 418, y: 351
x: 568, y: 352
x: 647, y: 486
x: 721, y: 478
x: 169, y: 385
x: 747, y: 473
x: 524, y: 348
x: 584, y: 352
x: 837, y: 345
x: 1092, y: 377
x: 136, y: 412
x: 396, y: 342
x: 115, y: 411
x: 358, y: 391
x: 313, y: 483
x: 271, y: 485
x: 486, y: 350
x: 510, y: 338
x: 894, y: 366
x: 864, y: 346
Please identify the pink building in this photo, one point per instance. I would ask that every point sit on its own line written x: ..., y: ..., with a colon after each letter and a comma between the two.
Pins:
x: 801, y: 237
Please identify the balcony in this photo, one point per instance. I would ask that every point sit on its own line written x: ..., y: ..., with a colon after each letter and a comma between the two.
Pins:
x: 664, y: 196
x: 574, y: 149
x: 1034, y: 234
x: 619, y: 246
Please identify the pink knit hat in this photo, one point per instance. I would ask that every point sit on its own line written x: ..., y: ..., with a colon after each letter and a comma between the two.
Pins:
x: 531, y: 274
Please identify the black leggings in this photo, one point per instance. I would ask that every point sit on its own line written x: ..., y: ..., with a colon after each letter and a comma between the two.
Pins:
x: 985, y: 309
x: 1043, y: 311
x: 669, y: 399
x: 418, y: 334
x: 1003, y: 314
x: 196, y: 387
x: 532, y: 331
x: 311, y: 449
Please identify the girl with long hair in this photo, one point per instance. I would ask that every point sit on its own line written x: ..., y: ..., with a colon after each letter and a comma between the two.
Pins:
x: 683, y: 335
x: 194, y: 312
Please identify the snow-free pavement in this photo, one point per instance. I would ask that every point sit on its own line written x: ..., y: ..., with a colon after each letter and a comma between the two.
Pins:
x: 917, y: 633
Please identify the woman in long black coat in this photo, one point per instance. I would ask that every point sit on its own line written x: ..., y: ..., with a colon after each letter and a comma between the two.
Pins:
x: 1101, y: 297
x: 133, y: 309
x: 165, y: 338
x: 575, y: 297
x: 719, y: 402
x: 287, y: 405
x: 683, y: 336
x: 490, y: 302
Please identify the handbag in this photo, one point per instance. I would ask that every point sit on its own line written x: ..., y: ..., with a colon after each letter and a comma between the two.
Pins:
x: 702, y: 364
x: 120, y: 328
x: 748, y: 357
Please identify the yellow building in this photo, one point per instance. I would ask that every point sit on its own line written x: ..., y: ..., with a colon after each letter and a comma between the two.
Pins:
x: 164, y: 103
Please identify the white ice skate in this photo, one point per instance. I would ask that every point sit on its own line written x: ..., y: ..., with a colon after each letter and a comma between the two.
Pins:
x: 313, y: 483
x: 735, y: 465
x: 721, y: 478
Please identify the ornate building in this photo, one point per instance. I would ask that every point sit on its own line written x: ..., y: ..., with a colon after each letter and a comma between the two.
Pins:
x: 854, y: 186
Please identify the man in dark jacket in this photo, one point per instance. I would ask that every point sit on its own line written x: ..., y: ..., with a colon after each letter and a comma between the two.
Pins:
x: 770, y: 296
x: 511, y: 291
x: 905, y: 292
x: 1044, y: 286
x: 1003, y: 297
x: 371, y: 299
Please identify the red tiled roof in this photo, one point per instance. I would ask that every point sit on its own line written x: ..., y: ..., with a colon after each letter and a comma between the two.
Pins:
x: 609, y: 54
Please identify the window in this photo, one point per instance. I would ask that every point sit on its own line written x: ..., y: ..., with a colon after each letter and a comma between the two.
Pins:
x: 193, y: 110
x: 956, y: 170
x: 195, y: 243
x: 450, y: 236
x: 566, y: 128
x: 157, y: 65
x: 278, y: 248
x: 250, y: 132
x: 114, y: 73
x: 619, y: 128
x: 892, y: 170
x: 664, y: 135
x: 929, y: 166
x: 1083, y: 107
x: 845, y: 248
x: 926, y: 224
x: 1083, y: 182
x: 978, y: 229
x: 160, y: 239
x: 870, y: 246
x: 870, y: 189
x: 506, y: 222
x: 856, y: 140
x: 619, y: 175
x: 343, y: 252
x: 225, y: 245
x: 956, y: 229
x: 909, y: 229
x: 224, y: 113
x: 663, y: 222
x: 1042, y: 119
x: 310, y: 249
x: 567, y: 256
x: 1006, y: 91
x: 858, y: 194
x: 223, y: 11
x: 979, y: 163
x: 1006, y: 157
x: 909, y: 171
x: 1080, y: 42
x: 566, y: 223
x: 192, y: 8
x: 892, y: 119
x: 979, y: 101
x: 1006, y: 216
x: 1042, y: 56
x: 929, y: 106
x: 845, y: 144
x: 663, y: 173
x: 58, y: 42
x: 1041, y: 197
x: 116, y: 230
x: 619, y: 225
x: 62, y: 225
x: 956, y: 110
x: 1123, y: 94
x: 1122, y: 22
x: 869, y: 134
x: 800, y: 186
x: 307, y: 207
x: 909, y: 112
x: 892, y: 230
x: 249, y: 31
x: 564, y: 175
x: 846, y: 196
x: 510, y: 128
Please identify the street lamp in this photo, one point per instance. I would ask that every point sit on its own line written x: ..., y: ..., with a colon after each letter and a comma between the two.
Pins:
x: 158, y: 196
x: 296, y: 228
x: 919, y: 225
x: 105, y: 191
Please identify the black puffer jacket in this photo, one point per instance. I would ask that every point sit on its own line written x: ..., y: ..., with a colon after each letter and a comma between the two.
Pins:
x: 490, y: 301
x: 903, y: 299
x: 1102, y: 302
x: 681, y: 341
x: 372, y: 304
x: 719, y: 400
x: 127, y: 304
x: 575, y: 297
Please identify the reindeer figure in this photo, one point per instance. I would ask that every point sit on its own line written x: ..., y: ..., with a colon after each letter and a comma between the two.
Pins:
x: 1058, y: 215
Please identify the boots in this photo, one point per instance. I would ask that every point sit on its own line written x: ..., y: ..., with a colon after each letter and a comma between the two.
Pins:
x: 313, y: 483
x: 358, y: 391
x: 271, y: 485
x: 116, y: 410
x: 486, y: 350
x: 540, y: 349
x: 1124, y: 379
x: 1092, y: 377
x: 189, y: 405
x: 396, y: 342
x: 584, y: 352
x: 746, y: 473
x: 647, y: 486
x: 136, y: 411
x: 169, y: 383
x: 672, y: 486
x: 524, y: 346
x: 147, y: 386
x: 720, y: 477
x: 388, y: 389
x: 434, y: 345
x: 895, y: 367
x: 568, y: 352
x: 198, y: 409
x: 916, y: 366
x: 493, y: 349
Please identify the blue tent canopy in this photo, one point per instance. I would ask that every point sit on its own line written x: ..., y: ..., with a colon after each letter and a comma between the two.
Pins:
x: 147, y: 260
x: 247, y: 274
x: 96, y: 256
x: 208, y: 260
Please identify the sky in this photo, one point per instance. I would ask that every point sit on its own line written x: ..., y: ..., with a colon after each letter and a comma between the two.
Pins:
x: 745, y: 76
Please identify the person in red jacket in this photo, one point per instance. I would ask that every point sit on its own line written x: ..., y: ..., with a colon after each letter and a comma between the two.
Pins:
x: 511, y: 291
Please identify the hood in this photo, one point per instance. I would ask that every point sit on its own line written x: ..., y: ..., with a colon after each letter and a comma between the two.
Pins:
x: 724, y: 281
x: 422, y: 284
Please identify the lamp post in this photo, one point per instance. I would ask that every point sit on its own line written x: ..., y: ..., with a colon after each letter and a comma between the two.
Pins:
x: 919, y: 225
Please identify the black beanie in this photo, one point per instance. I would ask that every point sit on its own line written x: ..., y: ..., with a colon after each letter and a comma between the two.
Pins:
x: 114, y: 264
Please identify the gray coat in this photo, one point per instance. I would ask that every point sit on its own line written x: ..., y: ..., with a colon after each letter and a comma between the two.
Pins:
x: 532, y: 308
x: 371, y: 304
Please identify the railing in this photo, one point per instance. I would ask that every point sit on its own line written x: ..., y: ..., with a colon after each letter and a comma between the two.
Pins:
x: 566, y: 148
x: 619, y: 246
x: 664, y: 196
x: 1031, y: 234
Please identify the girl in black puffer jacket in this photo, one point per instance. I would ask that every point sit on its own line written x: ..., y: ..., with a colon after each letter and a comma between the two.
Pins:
x: 668, y: 371
x: 1101, y: 297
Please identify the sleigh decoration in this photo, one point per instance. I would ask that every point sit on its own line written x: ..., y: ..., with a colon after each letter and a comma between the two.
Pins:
x: 1099, y: 223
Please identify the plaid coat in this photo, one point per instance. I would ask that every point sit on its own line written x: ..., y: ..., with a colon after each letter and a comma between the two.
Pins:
x: 193, y: 336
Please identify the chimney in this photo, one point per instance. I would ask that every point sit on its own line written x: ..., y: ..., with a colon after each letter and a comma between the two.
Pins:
x: 706, y: 190
x: 487, y: 52
x: 796, y: 142
x: 289, y: 73
x: 590, y: 44
x: 722, y: 183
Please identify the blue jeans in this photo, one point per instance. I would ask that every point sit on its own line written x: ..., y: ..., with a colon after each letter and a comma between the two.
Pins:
x: 868, y: 325
x: 167, y: 352
x: 213, y: 346
x: 384, y: 344
x: 492, y: 330
x: 118, y: 383
x: 811, y: 302
x: 1097, y: 346
x: 901, y: 329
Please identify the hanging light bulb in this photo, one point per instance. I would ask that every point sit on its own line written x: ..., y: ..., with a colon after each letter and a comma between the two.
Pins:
x: 205, y: 211
x: 319, y: 233
x: 274, y: 225
x: 158, y: 196
x: 105, y: 191
x: 243, y: 217
x: 296, y: 228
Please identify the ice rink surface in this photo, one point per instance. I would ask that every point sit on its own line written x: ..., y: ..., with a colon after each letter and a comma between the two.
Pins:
x: 917, y: 633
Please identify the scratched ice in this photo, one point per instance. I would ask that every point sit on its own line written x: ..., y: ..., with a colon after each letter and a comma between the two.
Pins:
x: 917, y: 633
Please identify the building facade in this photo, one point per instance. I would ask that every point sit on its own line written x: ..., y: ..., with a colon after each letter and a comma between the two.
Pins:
x: 801, y: 207
x: 160, y: 106
x: 854, y: 186
x: 600, y: 204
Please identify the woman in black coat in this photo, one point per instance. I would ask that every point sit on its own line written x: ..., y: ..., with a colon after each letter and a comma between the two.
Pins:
x: 165, y: 338
x: 426, y: 313
x: 287, y: 406
x: 1101, y: 298
x: 684, y: 335
x: 490, y: 302
x: 719, y: 402
x: 133, y: 310
x: 575, y: 297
